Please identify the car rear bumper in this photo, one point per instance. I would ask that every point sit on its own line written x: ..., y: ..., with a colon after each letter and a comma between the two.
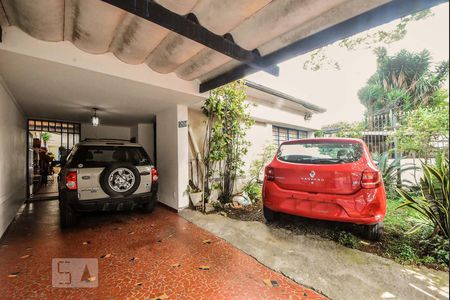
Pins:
x: 367, y: 206
x: 108, y: 204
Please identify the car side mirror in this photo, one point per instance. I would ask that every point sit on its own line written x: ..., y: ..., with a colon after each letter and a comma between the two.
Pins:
x: 377, y: 163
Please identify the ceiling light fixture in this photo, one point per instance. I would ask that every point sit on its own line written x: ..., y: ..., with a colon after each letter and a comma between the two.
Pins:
x: 94, y: 119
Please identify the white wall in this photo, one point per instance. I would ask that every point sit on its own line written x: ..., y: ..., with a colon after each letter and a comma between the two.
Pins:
x: 12, y: 157
x: 146, y: 137
x: 260, y: 135
x: 269, y: 113
x: 172, y: 157
x: 106, y: 132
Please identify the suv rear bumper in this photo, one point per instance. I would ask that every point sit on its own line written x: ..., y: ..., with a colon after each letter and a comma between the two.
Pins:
x: 367, y: 206
x: 108, y: 204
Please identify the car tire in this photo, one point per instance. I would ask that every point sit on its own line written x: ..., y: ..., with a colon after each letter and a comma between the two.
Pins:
x: 149, y: 206
x: 270, y: 215
x: 67, y: 215
x: 374, y: 232
x: 110, y: 169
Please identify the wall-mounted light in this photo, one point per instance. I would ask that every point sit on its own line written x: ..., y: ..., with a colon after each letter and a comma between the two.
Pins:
x: 308, y: 116
x: 94, y: 119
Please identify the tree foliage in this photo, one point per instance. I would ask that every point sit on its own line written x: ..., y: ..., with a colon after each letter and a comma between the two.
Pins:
x: 406, y: 80
x: 320, y: 59
x: 344, y: 130
x: 421, y: 129
x: 225, y: 144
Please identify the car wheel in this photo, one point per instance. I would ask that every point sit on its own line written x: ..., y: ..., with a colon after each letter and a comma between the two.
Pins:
x: 374, y: 232
x: 120, y: 179
x: 67, y: 216
x: 270, y: 215
x: 149, y: 206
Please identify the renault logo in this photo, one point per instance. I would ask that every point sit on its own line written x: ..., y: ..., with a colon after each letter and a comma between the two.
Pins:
x: 312, y: 174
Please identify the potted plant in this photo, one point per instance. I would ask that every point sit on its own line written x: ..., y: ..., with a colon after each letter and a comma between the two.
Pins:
x: 195, y: 194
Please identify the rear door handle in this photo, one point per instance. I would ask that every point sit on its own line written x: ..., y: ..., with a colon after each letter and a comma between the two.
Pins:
x: 85, y: 177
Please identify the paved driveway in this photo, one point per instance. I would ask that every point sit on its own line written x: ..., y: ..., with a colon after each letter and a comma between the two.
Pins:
x: 139, y: 256
x: 336, y: 271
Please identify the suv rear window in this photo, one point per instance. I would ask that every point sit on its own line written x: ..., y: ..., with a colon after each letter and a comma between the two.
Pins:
x: 320, y: 153
x: 102, y: 156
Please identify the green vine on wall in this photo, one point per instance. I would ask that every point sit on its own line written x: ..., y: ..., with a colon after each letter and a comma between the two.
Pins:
x: 225, y: 143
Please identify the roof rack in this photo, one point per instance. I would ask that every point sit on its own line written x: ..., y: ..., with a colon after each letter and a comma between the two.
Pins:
x: 115, y: 140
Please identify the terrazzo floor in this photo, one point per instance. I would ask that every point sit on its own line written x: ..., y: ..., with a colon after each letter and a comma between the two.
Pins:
x: 155, y: 256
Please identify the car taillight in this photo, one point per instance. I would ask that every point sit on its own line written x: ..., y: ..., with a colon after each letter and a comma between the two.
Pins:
x: 370, y: 179
x: 154, y: 175
x: 71, y: 181
x: 270, y: 174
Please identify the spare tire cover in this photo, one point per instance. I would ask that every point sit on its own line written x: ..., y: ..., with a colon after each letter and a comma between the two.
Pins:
x: 120, y: 179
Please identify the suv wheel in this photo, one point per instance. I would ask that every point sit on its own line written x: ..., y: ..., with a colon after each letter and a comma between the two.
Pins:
x: 149, y: 206
x: 67, y: 216
x: 120, y: 179
x: 374, y: 232
x: 270, y: 215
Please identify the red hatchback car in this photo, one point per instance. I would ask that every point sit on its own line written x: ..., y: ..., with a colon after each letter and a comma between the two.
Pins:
x: 329, y: 179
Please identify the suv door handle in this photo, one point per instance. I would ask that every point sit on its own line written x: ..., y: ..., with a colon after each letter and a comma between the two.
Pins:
x: 85, y: 177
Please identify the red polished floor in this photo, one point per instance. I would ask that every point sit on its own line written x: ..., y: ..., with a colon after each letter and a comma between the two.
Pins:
x: 147, y: 256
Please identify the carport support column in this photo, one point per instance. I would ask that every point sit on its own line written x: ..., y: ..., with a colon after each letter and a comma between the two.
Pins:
x: 172, y: 156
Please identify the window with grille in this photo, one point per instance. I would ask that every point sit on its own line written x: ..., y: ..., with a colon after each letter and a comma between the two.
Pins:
x: 282, y: 134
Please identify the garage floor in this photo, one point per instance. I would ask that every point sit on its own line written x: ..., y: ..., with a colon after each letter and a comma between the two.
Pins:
x: 139, y: 256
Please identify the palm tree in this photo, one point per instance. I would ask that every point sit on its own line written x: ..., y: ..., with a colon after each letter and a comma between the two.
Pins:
x: 406, y: 80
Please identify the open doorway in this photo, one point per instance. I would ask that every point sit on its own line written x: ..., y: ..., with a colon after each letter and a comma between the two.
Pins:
x: 48, y: 143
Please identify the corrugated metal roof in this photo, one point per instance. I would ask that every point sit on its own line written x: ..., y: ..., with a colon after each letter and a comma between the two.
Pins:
x: 97, y: 27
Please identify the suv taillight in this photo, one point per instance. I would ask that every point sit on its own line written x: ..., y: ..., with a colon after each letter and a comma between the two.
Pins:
x: 154, y: 175
x: 71, y: 180
x: 370, y: 179
x: 270, y: 174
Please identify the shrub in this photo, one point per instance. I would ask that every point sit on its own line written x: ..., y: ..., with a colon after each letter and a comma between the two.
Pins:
x: 436, y: 249
x: 253, y: 191
x: 348, y: 240
x: 390, y: 171
x: 433, y: 204
x: 225, y: 145
x: 264, y: 158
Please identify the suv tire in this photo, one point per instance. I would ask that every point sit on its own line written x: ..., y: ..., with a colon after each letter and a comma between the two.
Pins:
x: 374, y: 232
x: 270, y: 215
x: 67, y: 216
x: 149, y: 206
x: 104, y: 179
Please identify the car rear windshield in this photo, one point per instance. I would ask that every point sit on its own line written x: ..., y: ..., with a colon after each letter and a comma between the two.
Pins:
x: 102, y: 156
x: 320, y: 152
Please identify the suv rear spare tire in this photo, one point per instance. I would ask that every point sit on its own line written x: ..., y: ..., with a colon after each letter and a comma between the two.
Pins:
x: 120, y: 179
